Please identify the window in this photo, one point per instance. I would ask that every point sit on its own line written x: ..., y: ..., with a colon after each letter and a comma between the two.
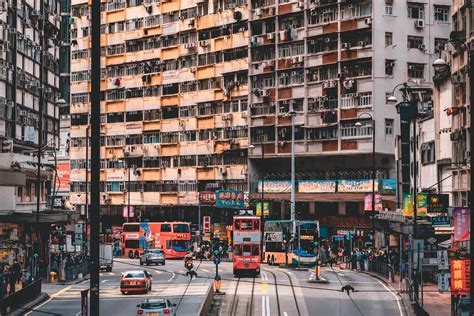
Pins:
x: 388, y: 38
x: 439, y: 44
x: 388, y: 7
x: 416, y: 11
x: 428, y: 152
x: 180, y: 228
x: 389, y: 65
x: 166, y: 228
x: 441, y: 13
x: 416, y: 70
x: 414, y: 42
x: 389, y: 127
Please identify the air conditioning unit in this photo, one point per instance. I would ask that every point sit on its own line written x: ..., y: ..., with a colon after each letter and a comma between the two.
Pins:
x: 327, y: 40
x: 346, y: 45
x: 300, y: 4
x: 258, y: 12
x: 419, y: 23
x: 244, y: 115
x: 227, y: 117
x: 192, y: 69
x: 231, y: 6
x: 368, y: 21
x: 271, y: 11
x: 190, y: 45
x: 270, y: 36
x: 422, y: 47
x: 362, y: 43
x: 223, y: 171
x: 204, y: 43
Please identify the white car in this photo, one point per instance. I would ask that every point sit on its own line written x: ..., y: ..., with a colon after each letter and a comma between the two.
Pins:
x: 156, y: 307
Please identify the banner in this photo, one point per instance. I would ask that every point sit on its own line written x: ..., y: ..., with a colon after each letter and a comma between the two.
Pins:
x: 317, y: 186
x: 368, y: 202
x: 274, y: 186
x: 421, y: 204
x: 389, y: 186
x: 461, y: 224
x: 230, y: 199
x: 460, y: 273
x: 62, y: 183
x: 356, y: 186
x: 125, y: 211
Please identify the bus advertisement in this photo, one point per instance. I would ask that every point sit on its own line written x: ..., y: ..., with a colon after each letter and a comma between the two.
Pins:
x: 277, y: 234
x: 246, y: 242
x: 174, y: 238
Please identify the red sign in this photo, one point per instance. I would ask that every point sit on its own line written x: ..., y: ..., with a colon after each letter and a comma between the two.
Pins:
x: 368, y: 202
x: 460, y: 274
x: 206, y: 224
x: 461, y: 224
x: 62, y: 183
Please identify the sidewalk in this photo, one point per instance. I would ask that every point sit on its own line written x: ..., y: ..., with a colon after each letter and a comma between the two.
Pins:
x: 434, y: 303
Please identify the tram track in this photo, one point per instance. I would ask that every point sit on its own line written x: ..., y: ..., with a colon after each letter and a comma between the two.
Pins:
x: 240, y: 294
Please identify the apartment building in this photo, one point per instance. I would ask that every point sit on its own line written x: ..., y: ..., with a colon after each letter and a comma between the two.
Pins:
x: 174, y: 92
x: 334, y: 63
x: 29, y: 95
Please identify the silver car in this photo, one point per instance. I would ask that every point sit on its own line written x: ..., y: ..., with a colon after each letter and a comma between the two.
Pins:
x: 152, y: 256
x: 156, y: 307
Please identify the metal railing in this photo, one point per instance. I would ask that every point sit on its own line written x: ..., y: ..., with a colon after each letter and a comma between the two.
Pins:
x: 74, y: 272
x: 381, y: 268
x: 21, y: 297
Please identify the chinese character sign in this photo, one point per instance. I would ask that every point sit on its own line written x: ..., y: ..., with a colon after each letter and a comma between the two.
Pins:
x: 460, y: 273
x: 230, y: 199
x: 461, y: 224
x: 356, y: 186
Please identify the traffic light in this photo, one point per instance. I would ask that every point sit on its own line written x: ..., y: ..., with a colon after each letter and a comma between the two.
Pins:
x: 62, y: 242
x: 7, y: 146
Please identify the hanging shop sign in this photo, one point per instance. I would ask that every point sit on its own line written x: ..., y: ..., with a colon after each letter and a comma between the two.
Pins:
x: 317, y: 186
x: 461, y: 224
x: 443, y: 282
x: 441, y: 221
x: 262, y: 206
x: 442, y: 259
x: 425, y: 203
x: 230, y: 199
x: 356, y: 186
x: 206, y: 224
x: 460, y: 274
x: 396, y: 216
x: 208, y: 198
x: 276, y: 186
x: 389, y: 186
x: 368, y: 202
x: 62, y: 183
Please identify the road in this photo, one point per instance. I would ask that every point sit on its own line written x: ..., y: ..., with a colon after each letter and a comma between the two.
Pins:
x: 276, y: 291
x: 168, y: 282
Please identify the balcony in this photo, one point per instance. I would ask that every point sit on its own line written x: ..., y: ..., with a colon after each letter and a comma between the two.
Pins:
x: 350, y: 131
x: 352, y: 100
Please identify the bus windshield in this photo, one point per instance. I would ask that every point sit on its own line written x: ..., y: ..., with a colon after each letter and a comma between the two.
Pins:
x: 131, y: 228
x: 181, y: 228
x: 132, y: 244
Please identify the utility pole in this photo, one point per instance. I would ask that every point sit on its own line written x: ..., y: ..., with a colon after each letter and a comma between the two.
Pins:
x: 292, y: 114
x: 86, y: 207
x: 95, y: 157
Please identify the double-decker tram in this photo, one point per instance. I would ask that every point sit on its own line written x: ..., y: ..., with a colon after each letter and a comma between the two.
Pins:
x: 246, y: 243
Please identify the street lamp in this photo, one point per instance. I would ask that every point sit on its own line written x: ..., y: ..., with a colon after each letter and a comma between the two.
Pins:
x: 440, y: 65
x: 262, y: 216
x: 292, y: 114
x: 359, y: 124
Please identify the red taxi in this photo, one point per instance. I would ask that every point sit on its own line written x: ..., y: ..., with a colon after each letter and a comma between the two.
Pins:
x: 135, y: 281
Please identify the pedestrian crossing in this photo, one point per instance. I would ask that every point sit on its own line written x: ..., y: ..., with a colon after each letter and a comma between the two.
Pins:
x: 113, y: 291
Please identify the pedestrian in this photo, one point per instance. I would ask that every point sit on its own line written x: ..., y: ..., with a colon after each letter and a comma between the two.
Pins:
x: 2, y: 283
x: 16, y: 269
x: 11, y: 281
x: 353, y: 260
x: 358, y: 259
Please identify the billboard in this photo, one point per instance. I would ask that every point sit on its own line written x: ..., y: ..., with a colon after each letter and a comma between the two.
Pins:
x: 62, y: 183
x: 230, y: 199
x: 317, y: 186
x: 262, y: 206
x: 389, y: 186
x: 368, y: 202
x: 460, y: 273
x: 356, y: 186
x: 274, y: 186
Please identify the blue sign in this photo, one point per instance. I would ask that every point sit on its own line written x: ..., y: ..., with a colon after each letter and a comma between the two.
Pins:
x: 230, y: 199
x: 217, y: 260
x: 389, y: 186
x: 441, y: 221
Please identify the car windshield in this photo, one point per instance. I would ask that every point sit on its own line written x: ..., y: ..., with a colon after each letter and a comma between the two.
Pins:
x: 153, y: 305
x: 134, y: 275
x: 155, y: 251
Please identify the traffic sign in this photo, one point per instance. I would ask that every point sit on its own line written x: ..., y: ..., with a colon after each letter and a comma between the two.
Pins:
x: 217, y: 260
x: 78, y: 228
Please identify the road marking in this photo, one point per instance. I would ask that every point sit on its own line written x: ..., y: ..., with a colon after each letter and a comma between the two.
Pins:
x: 50, y: 299
x: 111, y: 273
x: 265, y: 306
x: 205, y: 270
x: 268, y: 305
x: 340, y: 274
x: 103, y: 281
x: 265, y: 288
x: 158, y: 272
x: 172, y: 277
x: 79, y: 313
x: 285, y: 314
x: 397, y: 299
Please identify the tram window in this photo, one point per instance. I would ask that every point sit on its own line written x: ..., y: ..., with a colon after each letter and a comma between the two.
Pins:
x: 246, y: 224
x: 247, y: 248
x: 255, y: 251
x: 237, y: 225
x: 256, y: 225
x: 238, y: 250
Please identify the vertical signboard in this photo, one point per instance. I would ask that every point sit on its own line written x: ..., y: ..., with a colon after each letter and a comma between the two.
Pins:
x: 62, y: 183
x: 206, y: 224
x: 368, y: 202
x: 461, y: 224
x: 460, y: 274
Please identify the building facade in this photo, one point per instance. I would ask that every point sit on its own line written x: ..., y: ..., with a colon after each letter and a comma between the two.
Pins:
x: 174, y: 107
x: 334, y: 63
x: 29, y: 94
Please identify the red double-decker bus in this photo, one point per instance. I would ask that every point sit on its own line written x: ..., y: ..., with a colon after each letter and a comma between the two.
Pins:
x: 174, y: 238
x: 246, y: 242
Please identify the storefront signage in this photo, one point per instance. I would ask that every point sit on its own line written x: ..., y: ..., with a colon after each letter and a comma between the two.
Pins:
x: 208, y: 198
x: 461, y: 224
x: 62, y: 182
x: 265, y: 206
x: 170, y: 76
x: 441, y: 221
x: 274, y: 186
x: 274, y: 236
x: 317, y: 186
x: 460, y: 274
x: 306, y: 237
x: 396, y: 216
x: 442, y: 256
x: 206, y: 224
x: 230, y: 199
x: 356, y: 186
x: 443, y: 282
x: 389, y: 186
x: 368, y: 202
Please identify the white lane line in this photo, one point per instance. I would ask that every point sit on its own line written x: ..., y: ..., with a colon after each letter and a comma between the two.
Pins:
x: 285, y: 314
x: 49, y: 299
x: 103, y: 281
x: 267, y: 299
x: 79, y: 313
x: 397, y: 299
x: 264, y: 276
x: 158, y: 272
x: 340, y: 274
x: 263, y: 306
x: 172, y: 277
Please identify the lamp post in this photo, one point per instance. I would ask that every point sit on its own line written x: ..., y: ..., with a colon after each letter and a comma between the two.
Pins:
x: 292, y: 114
x: 126, y: 154
x: 440, y: 66
x: 359, y: 124
x: 86, y: 211
x: 262, y: 216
